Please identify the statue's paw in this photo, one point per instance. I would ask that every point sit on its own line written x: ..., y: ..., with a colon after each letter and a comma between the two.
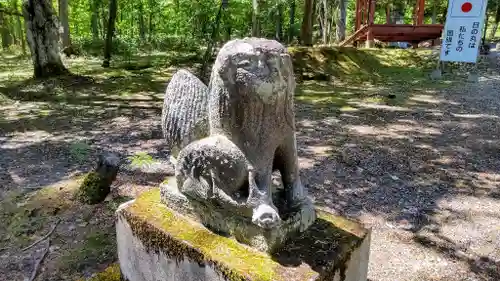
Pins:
x: 266, y: 216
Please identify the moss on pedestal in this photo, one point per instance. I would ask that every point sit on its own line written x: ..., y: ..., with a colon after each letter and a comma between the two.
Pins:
x: 317, y: 254
x: 112, y: 273
x: 160, y: 228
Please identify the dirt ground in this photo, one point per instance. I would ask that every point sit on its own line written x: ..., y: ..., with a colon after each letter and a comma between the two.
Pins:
x: 421, y: 169
x: 424, y: 176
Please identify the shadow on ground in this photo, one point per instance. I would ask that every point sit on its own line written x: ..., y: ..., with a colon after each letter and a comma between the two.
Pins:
x: 398, y: 160
x: 53, y: 129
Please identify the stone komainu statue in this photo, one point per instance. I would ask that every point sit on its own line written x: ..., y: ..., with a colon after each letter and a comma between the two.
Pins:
x: 229, y: 137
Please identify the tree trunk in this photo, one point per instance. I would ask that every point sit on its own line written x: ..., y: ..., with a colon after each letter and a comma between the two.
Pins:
x: 497, y: 20
x: 494, y: 29
x: 150, y: 23
x: 227, y: 25
x: 340, y: 30
x: 279, y: 23
x: 255, y: 19
x: 483, y: 41
x: 142, y: 25
x: 13, y: 34
x: 103, y: 16
x: 388, y: 14
x: 94, y: 21
x: 211, y: 43
x: 42, y: 32
x: 307, y: 22
x: 64, y: 17
x: 4, y: 26
x: 291, y: 25
x: 326, y: 24
x: 320, y: 22
x: 113, y: 5
x: 434, y: 12
x: 20, y: 29
x: 227, y: 34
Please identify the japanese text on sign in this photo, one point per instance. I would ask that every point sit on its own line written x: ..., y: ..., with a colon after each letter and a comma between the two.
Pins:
x: 473, y: 35
x: 462, y: 32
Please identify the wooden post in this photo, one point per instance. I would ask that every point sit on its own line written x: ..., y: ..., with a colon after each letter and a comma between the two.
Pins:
x: 388, y: 14
x: 370, y: 40
x: 420, y: 13
x: 371, y: 16
x: 366, y: 8
x: 358, y: 15
x: 361, y: 12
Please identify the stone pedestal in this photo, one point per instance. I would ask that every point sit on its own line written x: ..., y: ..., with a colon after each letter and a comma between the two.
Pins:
x: 157, y: 243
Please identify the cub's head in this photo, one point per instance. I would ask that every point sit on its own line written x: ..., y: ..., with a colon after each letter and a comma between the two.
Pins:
x: 256, y: 66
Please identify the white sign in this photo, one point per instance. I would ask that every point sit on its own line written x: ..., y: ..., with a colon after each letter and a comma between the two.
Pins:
x: 462, y: 31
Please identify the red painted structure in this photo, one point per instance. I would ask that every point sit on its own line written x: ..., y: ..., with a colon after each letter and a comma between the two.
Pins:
x: 367, y: 31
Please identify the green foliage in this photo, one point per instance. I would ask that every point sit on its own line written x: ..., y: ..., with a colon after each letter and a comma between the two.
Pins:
x: 79, y: 151
x: 98, y: 247
x: 186, y: 25
x: 23, y: 214
x: 360, y: 65
x: 141, y: 159
x: 112, y: 273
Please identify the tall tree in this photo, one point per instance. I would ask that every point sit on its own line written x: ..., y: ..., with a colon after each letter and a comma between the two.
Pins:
x: 4, y: 28
x: 113, y: 6
x: 279, y: 22
x: 227, y: 24
x: 94, y: 19
x: 307, y: 23
x: 142, y: 25
x: 151, y: 15
x: 20, y: 28
x: 324, y: 19
x: 434, y: 11
x: 341, y: 21
x: 211, y: 42
x: 12, y: 31
x: 42, y: 32
x: 497, y: 20
x: 102, y: 14
x: 255, y: 19
x: 64, y: 18
x: 291, y: 25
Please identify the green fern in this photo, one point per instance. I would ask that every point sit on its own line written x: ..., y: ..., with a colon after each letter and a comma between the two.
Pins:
x: 141, y: 159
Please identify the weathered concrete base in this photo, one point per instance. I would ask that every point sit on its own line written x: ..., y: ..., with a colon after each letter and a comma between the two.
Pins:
x: 157, y: 243
x: 230, y: 223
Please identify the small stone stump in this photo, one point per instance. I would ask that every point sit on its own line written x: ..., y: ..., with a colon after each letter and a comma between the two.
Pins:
x: 97, y: 184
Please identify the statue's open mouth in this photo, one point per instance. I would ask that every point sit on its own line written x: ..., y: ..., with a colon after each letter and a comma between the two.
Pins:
x: 266, y: 216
